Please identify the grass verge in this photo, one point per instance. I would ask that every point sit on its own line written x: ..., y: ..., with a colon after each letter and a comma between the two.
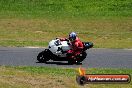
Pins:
x: 107, y: 23
x: 46, y: 77
x: 38, y: 32
x: 72, y: 9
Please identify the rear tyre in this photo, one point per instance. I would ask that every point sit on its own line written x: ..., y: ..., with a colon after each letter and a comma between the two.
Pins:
x: 78, y: 59
x: 71, y: 62
x: 81, y: 57
x: 43, y: 56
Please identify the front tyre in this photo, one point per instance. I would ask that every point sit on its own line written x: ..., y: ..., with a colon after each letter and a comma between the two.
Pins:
x: 43, y: 57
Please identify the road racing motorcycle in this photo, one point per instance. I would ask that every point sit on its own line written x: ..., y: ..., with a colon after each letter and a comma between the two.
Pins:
x: 57, y: 51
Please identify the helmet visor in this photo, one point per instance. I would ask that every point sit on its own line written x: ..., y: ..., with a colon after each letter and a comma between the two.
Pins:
x: 72, y: 38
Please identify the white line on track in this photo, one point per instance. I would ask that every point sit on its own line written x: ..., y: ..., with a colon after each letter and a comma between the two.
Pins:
x: 34, y: 47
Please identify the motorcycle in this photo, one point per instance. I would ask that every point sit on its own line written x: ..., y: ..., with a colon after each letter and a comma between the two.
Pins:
x: 57, y: 51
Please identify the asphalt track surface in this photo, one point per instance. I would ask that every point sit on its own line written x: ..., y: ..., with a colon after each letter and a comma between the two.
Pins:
x: 96, y: 58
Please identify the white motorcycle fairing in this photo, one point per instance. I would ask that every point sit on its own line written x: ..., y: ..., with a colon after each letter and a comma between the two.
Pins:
x: 57, y: 46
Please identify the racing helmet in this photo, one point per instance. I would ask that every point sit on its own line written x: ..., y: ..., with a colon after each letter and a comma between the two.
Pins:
x: 72, y: 36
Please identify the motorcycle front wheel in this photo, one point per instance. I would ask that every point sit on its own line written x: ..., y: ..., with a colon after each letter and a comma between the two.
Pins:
x: 43, y: 56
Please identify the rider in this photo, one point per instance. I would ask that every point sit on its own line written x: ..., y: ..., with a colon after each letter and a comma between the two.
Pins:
x: 76, y: 45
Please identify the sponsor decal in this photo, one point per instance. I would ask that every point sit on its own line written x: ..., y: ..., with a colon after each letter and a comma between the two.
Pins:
x: 84, y: 78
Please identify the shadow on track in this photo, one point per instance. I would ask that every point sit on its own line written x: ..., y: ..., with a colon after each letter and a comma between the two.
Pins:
x: 60, y: 63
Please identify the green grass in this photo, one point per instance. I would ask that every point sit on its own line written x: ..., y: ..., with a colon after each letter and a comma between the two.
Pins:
x: 103, y: 33
x: 47, y: 77
x: 107, y: 23
x: 58, y: 9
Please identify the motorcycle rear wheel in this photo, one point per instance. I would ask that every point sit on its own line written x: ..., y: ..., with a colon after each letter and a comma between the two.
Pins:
x: 78, y: 59
x: 81, y: 57
x: 71, y: 62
